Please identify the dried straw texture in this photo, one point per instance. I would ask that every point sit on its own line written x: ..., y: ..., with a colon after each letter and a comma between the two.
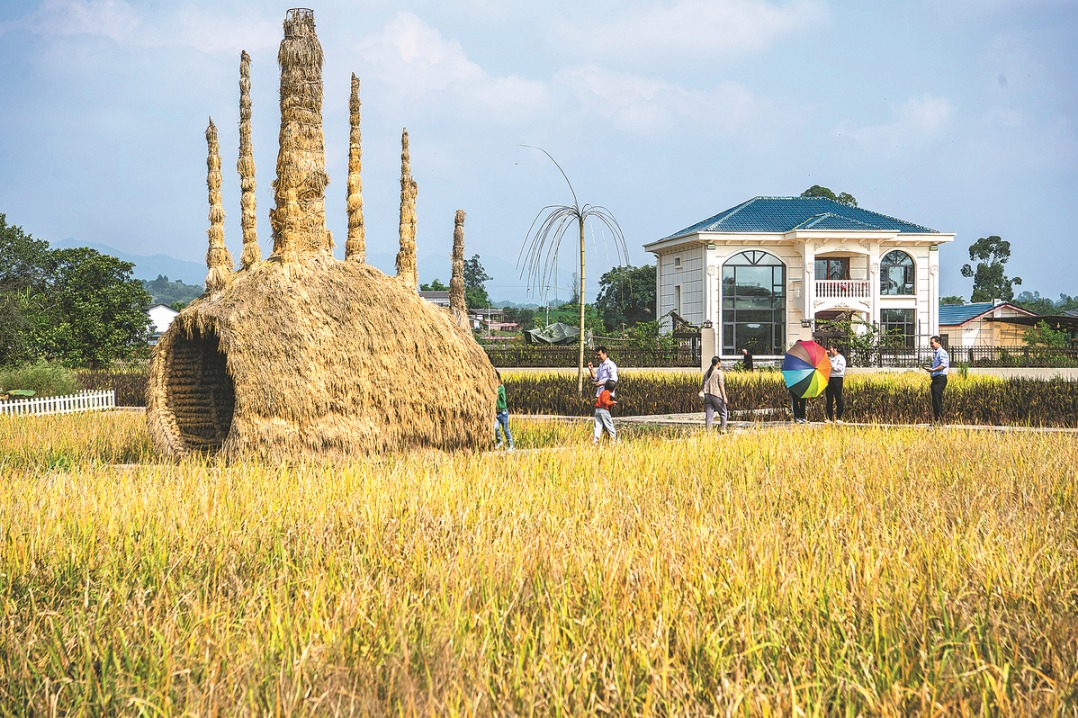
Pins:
x: 406, y: 261
x: 355, y: 247
x: 309, y: 360
x: 218, y: 260
x: 457, y: 307
x: 299, y: 218
x: 245, y: 165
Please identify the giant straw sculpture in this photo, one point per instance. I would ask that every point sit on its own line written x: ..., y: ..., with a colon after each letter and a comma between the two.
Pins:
x: 301, y: 354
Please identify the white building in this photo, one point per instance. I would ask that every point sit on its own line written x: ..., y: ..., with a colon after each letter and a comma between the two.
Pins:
x: 764, y: 272
x: 161, y: 317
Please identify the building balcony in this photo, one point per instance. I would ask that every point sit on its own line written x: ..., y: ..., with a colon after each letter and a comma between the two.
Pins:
x: 842, y: 289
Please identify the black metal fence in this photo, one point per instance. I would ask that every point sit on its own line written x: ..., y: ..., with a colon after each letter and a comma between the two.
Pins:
x: 685, y: 354
x: 986, y: 357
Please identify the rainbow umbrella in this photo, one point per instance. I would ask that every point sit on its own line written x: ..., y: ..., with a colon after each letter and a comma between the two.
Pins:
x: 806, y: 369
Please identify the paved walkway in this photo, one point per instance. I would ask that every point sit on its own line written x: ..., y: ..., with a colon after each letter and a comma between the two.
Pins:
x: 766, y: 420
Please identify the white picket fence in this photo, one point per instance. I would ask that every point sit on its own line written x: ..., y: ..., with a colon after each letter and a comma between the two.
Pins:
x: 83, y: 401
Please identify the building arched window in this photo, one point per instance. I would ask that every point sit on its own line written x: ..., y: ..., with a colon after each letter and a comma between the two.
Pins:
x: 897, y: 273
x: 754, y: 303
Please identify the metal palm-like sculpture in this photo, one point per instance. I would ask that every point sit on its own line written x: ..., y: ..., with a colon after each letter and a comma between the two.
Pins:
x: 540, y: 251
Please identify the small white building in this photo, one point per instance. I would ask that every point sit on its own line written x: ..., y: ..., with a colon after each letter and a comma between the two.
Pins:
x: 765, y: 272
x: 438, y: 297
x: 983, y: 325
x: 161, y: 316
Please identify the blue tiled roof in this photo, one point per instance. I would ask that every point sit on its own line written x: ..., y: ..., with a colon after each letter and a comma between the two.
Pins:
x: 783, y: 214
x: 952, y: 314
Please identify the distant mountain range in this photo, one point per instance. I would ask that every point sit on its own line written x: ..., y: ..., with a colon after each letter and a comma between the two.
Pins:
x: 146, y: 267
x: 150, y: 267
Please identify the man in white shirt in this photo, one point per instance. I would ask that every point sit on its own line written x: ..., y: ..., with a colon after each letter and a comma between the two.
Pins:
x: 941, y: 362
x: 607, y: 371
x: 835, y: 406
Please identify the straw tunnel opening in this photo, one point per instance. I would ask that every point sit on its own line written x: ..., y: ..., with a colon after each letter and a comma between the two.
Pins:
x: 201, y: 394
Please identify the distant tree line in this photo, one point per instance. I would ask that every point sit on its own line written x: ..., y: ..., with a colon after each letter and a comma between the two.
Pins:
x: 76, y: 306
x: 174, y: 293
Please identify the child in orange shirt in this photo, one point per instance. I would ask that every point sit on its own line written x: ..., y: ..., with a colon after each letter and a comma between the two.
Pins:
x: 603, y: 421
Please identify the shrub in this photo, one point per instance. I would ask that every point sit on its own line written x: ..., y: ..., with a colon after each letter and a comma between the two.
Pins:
x: 42, y: 377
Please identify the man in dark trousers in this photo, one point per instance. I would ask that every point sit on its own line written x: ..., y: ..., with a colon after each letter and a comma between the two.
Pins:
x: 941, y: 362
x: 746, y: 359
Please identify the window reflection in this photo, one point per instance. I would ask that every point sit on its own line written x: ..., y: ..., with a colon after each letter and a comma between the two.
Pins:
x: 896, y: 273
x: 754, y: 303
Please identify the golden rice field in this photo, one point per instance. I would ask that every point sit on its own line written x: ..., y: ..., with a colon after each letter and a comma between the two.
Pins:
x: 891, y: 398
x: 848, y: 571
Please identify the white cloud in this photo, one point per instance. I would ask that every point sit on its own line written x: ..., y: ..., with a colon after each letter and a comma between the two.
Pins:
x: 214, y: 30
x: 644, y: 105
x: 61, y: 18
x: 414, y: 61
x: 698, y: 28
x: 916, y: 121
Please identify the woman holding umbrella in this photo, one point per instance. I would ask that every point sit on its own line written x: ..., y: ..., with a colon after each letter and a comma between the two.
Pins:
x: 805, y: 369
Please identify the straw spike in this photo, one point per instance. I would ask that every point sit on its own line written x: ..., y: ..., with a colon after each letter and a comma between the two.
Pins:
x: 457, y: 304
x: 218, y: 260
x: 245, y: 165
x: 406, y: 260
x: 299, y: 217
x: 355, y: 247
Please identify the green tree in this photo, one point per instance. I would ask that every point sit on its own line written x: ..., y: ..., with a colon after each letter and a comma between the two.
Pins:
x: 989, y: 281
x: 24, y: 268
x: 1042, y: 335
x: 1034, y: 302
x: 627, y: 296
x: 524, y: 316
x: 165, y: 291
x: 544, y: 238
x: 952, y: 299
x: 475, y: 280
x: 95, y: 311
x: 820, y: 191
x: 435, y: 286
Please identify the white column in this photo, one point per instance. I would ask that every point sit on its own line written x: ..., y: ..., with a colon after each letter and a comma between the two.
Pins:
x: 874, y: 283
x: 933, y: 291
x: 709, y: 337
x: 808, y: 279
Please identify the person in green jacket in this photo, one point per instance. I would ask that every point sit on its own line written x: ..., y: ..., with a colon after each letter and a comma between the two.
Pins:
x: 502, y: 417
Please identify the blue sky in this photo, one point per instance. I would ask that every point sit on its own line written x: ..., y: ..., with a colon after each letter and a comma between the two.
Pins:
x: 958, y: 115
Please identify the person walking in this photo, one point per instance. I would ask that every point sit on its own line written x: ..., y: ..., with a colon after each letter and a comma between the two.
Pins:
x: 833, y: 391
x: 746, y: 359
x: 501, y: 417
x: 607, y: 371
x: 941, y: 362
x: 715, y: 396
x: 603, y: 421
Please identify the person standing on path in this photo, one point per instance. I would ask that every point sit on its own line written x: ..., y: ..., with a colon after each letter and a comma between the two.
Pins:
x: 941, y: 362
x: 798, y: 403
x: 834, y: 386
x: 603, y: 421
x: 501, y: 417
x: 715, y: 396
x: 607, y: 371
